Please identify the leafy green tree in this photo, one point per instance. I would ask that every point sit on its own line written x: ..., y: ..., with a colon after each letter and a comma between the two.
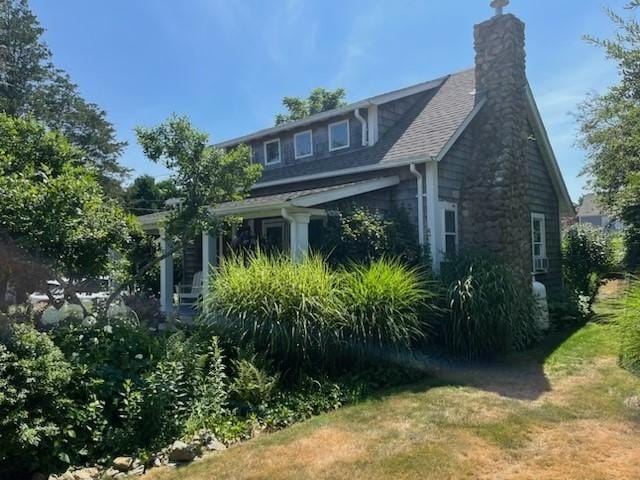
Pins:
x: 610, y: 130
x: 204, y: 176
x: 319, y: 100
x: 31, y: 85
x: 52, y: 205
x: 145, y: 195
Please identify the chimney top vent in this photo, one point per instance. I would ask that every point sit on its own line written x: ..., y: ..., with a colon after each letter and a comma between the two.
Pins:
x: 499, y: 5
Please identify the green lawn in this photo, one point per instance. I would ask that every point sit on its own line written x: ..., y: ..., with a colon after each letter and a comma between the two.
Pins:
x: 555, y: 412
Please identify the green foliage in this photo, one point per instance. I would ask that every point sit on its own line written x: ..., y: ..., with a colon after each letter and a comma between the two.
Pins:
x: 488, y: 311
x: 566, y: 309
x: 253, y: 384
x: 610, y: 131
x: 306, y: 314
x: 587, y: 258
x: 630, y: 330
x: 359, y: 234
x: 53, y: 207
x: 40, y: 426
x: 383, y: 301
x: 319, y: 100
x: 145, y: 195
x: 30, y: 85
x: 292, y: 312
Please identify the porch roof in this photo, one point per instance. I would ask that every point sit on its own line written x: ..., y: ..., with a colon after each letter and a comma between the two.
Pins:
x: 298, y: 201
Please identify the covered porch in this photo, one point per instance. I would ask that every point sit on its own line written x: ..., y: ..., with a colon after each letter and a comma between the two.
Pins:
x: 278, y: 222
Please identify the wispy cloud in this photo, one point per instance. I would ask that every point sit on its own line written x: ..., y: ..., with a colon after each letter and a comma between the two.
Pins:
x: 358, y: 45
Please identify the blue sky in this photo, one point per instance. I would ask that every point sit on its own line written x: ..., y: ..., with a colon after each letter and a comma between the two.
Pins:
x: 228, y: 63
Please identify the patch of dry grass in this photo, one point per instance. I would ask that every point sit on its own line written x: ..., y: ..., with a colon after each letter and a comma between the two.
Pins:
x: 555, y: 413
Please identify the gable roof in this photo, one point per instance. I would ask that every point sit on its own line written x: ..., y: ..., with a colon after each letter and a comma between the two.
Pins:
x: 590, y: 207
x: 437, y: 116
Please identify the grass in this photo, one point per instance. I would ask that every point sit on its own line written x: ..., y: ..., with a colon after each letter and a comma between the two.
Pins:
x: 557, y: 411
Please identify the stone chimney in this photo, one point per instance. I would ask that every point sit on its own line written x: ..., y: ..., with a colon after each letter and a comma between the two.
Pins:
x: 494, y: 204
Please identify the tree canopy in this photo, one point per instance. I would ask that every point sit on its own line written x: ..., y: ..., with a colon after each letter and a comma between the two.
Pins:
x: 145, y: 195
x: 610, y: 129
x: 31, y: 85
x: 204, y: 176
x: 52, y: 205
x: 319, y: 100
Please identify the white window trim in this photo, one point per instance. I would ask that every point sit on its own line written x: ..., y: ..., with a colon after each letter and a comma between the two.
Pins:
x: 295, y: 144
x: 348, y: 135
x: 269, y: 142
x: 444, y: 207
x: 543, y: 238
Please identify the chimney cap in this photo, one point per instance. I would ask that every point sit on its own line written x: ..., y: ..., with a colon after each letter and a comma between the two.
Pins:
x: 499, y: 6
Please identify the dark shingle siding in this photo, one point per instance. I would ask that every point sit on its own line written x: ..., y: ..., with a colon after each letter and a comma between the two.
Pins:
x: 543, y: 199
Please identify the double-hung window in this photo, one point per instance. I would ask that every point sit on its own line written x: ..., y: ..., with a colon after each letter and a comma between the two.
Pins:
x: 303, y: 144
x: 339, y: 135
x: 539, y: 243
x: 449, y: 229
x: 272, y: 152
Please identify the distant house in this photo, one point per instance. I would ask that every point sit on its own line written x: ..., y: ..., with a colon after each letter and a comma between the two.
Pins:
x: 466, y: 155
x: 590, y: 211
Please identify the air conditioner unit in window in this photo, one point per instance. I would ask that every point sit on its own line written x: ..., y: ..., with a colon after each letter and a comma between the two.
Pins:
x: 541, y: 264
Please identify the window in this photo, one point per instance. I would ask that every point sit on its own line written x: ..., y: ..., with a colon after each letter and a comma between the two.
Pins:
x: 339, y: 135
x: 449, y: 228
x: 539, y: 243
x: 272, y: 152
x: 303, y: 144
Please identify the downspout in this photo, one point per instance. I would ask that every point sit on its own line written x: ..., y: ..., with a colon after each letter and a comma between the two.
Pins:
x: 420, y: 188
x: 363, y: 122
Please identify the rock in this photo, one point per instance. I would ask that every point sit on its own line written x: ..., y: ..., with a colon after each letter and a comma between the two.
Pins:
x: 122, y: 464
x: 215, y: 446
x: 181, y: 452
x: 113, y: 473
x: 86, y: 474
x: 633, y: 403
x: 136, y: 471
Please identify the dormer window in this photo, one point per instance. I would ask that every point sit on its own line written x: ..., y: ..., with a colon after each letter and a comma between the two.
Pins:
x: 339, y: 135
x: 303, y: 144
x: 272, y: 152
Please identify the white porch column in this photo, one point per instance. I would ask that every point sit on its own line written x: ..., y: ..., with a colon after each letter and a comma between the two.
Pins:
x: 209, y: 258
x: 301, y: 227
x: 434, y: 223
x: 166, y: 275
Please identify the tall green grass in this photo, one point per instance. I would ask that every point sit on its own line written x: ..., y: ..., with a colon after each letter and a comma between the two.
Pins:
x: 488, y: 311
x: 630, y: 330
x: 382, y: 301
x: 309, y: 315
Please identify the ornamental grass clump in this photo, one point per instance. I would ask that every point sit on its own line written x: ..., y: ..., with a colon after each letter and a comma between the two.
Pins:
x: 385, y: 301
x: 292, y: 312
x: 489, y: 312
x: 630, y: 331
x: 306, y: 314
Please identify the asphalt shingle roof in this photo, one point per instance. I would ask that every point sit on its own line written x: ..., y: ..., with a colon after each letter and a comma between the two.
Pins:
x: 423, y: 130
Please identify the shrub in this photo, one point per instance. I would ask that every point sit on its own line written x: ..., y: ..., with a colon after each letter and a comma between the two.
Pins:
x: 630, y: 331
x: 307, y: 315
x: 566, y: 309
x: 253, y: 385
x: 488, y: 312
x: 383, y: 302
x: 292, y: 312
x: 358, y: 234
x: 41, y: 427
x: 587, y: 258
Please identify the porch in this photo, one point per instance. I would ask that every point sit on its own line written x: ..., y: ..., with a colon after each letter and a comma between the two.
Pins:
x: 279, y: 222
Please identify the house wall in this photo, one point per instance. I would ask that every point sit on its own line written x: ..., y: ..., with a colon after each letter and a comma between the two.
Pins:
x: 453, y: 168
x: 543, y: 199
x: 320, y: 134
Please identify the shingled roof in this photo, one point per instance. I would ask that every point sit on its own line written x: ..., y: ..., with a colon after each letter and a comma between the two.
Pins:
x: 421, y: 133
